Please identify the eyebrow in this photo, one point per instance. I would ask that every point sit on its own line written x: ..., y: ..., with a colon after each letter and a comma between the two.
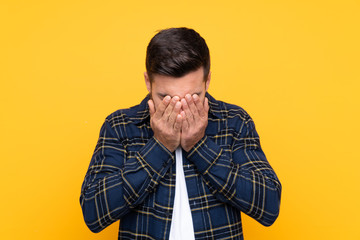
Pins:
x: 162, y: 95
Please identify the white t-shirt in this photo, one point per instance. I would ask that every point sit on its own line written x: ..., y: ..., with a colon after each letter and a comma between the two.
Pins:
x: 181, y: 225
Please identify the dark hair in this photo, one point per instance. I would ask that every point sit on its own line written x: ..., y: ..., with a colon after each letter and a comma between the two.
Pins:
x: 176, y: 52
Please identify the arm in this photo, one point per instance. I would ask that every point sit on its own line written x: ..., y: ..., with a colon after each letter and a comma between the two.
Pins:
x: 115, y: 183
x: 242, y: 177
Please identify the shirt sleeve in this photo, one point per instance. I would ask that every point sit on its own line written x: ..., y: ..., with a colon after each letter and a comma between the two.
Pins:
x: 115, y: 183
x: 241, y: 177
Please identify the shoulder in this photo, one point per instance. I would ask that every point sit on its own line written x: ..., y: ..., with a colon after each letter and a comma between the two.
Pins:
x: 235, y: 111
x: 134, y: 114
x: 234, y: 117
x: 228, y: 111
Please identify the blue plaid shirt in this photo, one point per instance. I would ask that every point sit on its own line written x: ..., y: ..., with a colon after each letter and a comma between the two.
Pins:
x: 131, y: 177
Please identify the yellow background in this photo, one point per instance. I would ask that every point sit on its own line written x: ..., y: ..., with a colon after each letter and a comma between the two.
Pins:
x: 293, y: 65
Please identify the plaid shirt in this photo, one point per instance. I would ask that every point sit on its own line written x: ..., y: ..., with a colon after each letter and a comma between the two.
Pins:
x: 132, y: 177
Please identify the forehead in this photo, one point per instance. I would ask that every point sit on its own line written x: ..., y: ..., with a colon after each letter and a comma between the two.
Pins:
x: 192, y: 83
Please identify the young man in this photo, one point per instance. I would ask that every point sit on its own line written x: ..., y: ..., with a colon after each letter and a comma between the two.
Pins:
x: 180, y: 165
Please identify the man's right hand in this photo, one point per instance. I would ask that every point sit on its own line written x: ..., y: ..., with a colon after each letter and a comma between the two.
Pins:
x: 166, y: 121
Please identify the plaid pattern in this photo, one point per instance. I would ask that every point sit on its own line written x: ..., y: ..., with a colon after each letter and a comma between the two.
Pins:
x: 131, y: 177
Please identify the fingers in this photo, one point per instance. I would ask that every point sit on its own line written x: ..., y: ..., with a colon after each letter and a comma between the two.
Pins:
x: 187, y: 112
x: 206, y: 105
x: 178, y: 122
x: 192, y: 106
x: 185, y: 123
x: 170, y: 107
x: 199, y: 105
x: 151, y: 107
x: 180, y: 114
x: 162, y: 106
x: 174, y: 113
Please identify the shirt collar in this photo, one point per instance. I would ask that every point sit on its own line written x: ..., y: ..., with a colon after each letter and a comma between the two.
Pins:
x: 143, y: 114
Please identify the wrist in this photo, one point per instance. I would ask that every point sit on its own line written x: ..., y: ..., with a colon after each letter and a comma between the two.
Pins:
x: 190, y: 144
x: 188, y: 148
x: 164, y: 143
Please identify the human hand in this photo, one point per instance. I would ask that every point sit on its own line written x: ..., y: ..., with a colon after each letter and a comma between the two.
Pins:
x: 166, y: 121
x: 195, y: 120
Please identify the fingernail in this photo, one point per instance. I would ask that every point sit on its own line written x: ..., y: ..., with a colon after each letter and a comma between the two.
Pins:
x: 183, y: 101
x: 167, y: 99
x: 176, y: 98
x: 178, y: 105
x: 196, y: 97
x: 188, y: 96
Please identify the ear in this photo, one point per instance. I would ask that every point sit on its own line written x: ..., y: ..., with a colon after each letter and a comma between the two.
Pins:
x: 207, y: 83
x: 147, y: 81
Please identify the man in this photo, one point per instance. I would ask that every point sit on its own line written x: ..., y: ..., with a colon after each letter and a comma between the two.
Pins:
x: 180, y: 165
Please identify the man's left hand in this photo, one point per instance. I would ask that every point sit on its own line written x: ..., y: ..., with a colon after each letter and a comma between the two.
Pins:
x: 195, y: 120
